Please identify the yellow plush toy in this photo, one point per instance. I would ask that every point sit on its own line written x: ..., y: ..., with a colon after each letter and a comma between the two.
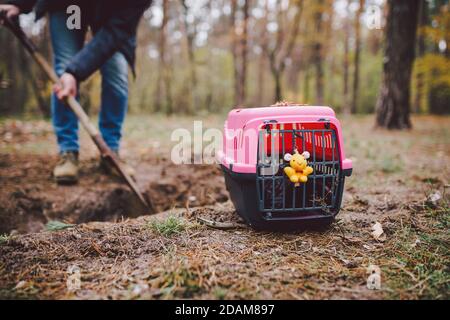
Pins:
x: 298, y: 169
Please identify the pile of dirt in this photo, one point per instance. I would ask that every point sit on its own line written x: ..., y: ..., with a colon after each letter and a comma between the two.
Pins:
x: 22, y: 212
x: 187, y: 185
x: 29, y: 198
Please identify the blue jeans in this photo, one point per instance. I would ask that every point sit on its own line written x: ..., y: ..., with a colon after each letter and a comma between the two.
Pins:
x: 114, y: 99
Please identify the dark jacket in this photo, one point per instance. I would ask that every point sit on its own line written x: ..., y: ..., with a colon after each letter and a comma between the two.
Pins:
x: 114, y: 24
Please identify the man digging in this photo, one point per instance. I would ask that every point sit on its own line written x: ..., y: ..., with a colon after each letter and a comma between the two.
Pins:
x: 111, y: 50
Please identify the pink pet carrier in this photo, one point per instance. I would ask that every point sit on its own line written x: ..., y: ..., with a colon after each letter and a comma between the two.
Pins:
x: 258, y: 146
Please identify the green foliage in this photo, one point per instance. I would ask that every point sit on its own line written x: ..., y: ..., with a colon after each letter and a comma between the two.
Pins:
x: 56, y: 225
x: 390, y: 164
x: 4, y: 238
x: 438, y: 29
x: 435, y: 92
x: 370, y: 81
x: 438, y: 98
x: 168, y: 227
x: 179, y: 280
x: 423, y: 254
x: 220, y: 293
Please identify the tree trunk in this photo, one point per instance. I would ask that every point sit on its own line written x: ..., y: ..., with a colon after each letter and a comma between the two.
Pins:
x: 317, y: 49
x: 209, y: 103
x: 423, y: 17
x: 306, y: 86
x: 283, y: 49
x: 262, y: 60
x: 42, y: 103
x: 393, y: 106
x: 347, y: 107
x: 190, y: 36
x: 354, y: 104
x: 234, y: 51
x: 240, y: 51
x: 163, y: 82
x: 20, y: 89
x: 295, y: 71
x: 244, y: 55
x: 277, y: 79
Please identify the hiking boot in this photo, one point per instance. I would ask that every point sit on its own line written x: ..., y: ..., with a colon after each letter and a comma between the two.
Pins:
x: 66, y: 170
x: 109, y: 169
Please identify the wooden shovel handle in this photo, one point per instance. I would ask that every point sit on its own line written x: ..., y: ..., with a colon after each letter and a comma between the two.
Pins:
x: 93, y: 132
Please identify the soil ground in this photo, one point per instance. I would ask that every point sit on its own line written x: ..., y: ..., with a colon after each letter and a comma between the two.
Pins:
x: 123, y: 254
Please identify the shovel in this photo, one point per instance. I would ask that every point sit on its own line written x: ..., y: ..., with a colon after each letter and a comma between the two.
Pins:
x: 105, y: 151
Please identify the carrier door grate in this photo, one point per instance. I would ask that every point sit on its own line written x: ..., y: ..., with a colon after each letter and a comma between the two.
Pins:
x: 322, y: 191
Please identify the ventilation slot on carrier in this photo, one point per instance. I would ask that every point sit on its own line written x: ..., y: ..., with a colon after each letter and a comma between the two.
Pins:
x: 277, y: 195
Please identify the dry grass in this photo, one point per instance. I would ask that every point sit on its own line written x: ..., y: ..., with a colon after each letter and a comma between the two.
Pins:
x: 394, y: 172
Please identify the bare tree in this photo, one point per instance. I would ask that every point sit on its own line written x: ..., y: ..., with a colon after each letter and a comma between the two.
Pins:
x: 347, y: 107
x: 423, y: 20
x: 283, y: 47
x: 355, y: 92
x: 393, y: 106
x: 240, y: 49
x: 234, y: 48
x: 262, y: 57
x: 209, y: 96
x: 190, y: 33
x: 244, y: 54
x: 36, y: 86
x: 163, y: 87
x: 317, y: 51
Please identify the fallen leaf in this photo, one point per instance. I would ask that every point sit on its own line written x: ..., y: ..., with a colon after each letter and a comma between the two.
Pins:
x: 415, y: 243
x: 350, y: 263
x: 56, y: 225
x: 138, y: 289
x: 20, y: 285
x: 374, y: 282
x: 373, y: 268
x: 431, y: 180
x: 434, y: 199
x: 374, y: 279
x: 378, y: 232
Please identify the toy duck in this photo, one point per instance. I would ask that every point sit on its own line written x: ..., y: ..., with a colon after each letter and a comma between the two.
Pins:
x: 298, y: 169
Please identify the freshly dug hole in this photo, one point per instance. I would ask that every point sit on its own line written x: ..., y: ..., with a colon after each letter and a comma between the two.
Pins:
x: 30, y: 198
x: 21, y: 212
x: 101, y: 205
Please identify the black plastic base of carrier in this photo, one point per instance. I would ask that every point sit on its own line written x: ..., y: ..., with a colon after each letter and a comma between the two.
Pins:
x: 244, y: 195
